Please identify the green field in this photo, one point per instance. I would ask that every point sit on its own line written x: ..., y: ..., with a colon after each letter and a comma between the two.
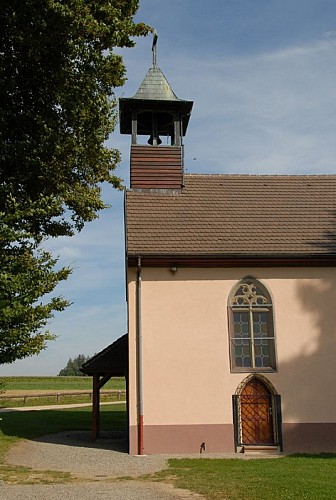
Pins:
x: 56, y: 383
x: 24, y: 387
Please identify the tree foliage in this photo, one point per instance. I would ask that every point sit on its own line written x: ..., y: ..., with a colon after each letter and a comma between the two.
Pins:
x: 73, y: 366
x: 27, y: 274
x: 58, y: 71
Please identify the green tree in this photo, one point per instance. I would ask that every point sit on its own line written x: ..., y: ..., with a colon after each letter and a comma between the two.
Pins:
x: 58, y: 71
x: 73, y: 366
x: 26, y: 274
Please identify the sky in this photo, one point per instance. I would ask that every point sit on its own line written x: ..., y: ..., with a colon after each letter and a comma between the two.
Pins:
x: 262, y: 75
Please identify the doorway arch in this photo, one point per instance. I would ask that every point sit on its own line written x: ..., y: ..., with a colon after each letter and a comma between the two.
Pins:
x: 257, y: 413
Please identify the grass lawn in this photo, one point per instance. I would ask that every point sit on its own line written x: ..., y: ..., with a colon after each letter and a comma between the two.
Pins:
x: 311, y: 477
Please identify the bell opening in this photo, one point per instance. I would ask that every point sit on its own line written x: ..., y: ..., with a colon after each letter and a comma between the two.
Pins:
x: 154, y: 140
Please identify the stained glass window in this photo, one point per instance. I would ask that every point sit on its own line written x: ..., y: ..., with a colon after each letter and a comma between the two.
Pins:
x: 252, y: 346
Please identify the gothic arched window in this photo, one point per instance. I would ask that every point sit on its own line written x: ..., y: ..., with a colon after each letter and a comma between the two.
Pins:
x: 252, y: 346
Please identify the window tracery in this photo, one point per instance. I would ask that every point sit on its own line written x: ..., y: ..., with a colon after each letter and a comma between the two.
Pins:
x: 252, y: 346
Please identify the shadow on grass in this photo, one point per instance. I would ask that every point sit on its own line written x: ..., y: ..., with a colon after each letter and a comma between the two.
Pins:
x: 70, y: 427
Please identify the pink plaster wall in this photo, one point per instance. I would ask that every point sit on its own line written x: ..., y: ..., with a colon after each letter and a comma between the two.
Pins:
x: 186, y: 375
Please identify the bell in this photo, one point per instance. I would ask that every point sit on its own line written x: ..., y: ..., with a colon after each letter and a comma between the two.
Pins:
x: 154, y: 141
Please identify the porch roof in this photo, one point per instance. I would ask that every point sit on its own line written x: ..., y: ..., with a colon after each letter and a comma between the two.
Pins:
x: 112, y: 360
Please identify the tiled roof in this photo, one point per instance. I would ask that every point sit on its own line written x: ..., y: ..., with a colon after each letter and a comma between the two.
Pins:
x: 240, y: 215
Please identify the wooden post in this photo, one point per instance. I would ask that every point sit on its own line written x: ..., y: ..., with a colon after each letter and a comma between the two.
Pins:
x: 95, y: 407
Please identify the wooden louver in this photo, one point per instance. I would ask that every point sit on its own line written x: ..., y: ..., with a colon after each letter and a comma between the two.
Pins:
x: 156, y: 167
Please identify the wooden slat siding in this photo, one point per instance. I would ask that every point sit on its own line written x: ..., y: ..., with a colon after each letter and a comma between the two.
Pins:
x: 144, y: 150
x: 156, y: 167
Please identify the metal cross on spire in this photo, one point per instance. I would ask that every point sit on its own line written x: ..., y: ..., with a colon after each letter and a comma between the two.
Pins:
x: 155, y: 38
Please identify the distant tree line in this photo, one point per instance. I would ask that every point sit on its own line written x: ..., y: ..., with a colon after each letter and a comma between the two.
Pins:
x: 73, y: 366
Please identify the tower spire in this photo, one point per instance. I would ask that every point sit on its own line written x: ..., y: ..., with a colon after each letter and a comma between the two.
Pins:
x: 155, y: 111
x: 154, y: 49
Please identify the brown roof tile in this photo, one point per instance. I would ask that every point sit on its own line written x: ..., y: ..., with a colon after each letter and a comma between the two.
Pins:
x: 241, y: 215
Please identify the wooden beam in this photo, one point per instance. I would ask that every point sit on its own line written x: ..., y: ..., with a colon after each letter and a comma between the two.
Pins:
x: 105, y: 378
x: 210, y: 261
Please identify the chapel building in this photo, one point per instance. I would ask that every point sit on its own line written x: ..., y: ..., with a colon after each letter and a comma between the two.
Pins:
x: 231, y: 293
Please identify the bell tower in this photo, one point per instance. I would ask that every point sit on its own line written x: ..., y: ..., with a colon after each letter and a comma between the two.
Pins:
x: 157, y: 121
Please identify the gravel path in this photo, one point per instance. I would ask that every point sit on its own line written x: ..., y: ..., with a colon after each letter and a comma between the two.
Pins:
x: 96, y: 465
x: 126, y: 490
x: 76, y: 453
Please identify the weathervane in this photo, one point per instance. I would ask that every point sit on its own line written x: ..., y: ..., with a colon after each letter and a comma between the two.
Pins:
x: 155, y: 38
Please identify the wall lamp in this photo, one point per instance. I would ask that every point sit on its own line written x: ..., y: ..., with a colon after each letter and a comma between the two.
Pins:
x: 173, y: 269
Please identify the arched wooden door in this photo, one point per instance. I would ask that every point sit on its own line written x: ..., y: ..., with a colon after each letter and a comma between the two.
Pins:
x: 256, y: 411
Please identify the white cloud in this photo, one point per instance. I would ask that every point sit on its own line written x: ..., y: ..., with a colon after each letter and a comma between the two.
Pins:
x: 270, y: 113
